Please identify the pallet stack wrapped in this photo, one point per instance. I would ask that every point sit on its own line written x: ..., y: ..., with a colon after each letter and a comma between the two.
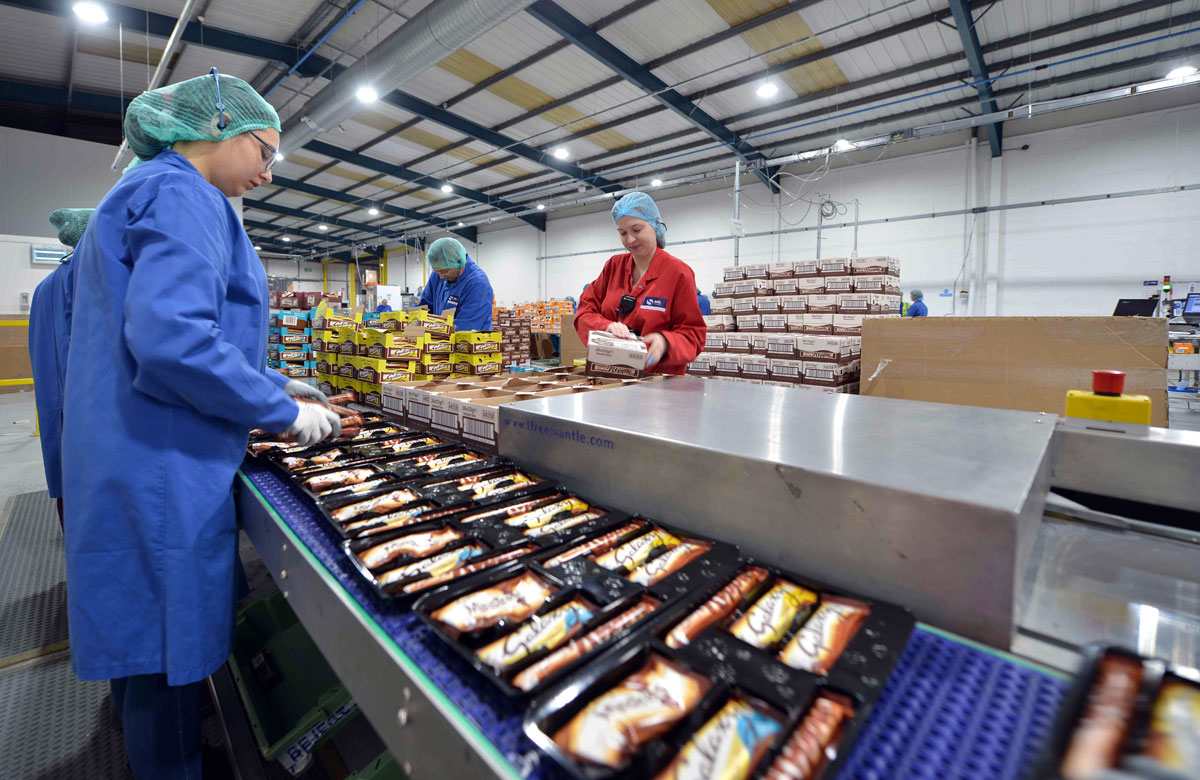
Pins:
x: 797, y: 324
x: 515, y: 335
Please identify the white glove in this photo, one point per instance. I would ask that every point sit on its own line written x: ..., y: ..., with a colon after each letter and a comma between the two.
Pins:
x: 297, y: 389
x: 314, y: 424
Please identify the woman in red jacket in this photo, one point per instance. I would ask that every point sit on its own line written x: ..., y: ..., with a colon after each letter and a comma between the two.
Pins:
x: 645, y: 292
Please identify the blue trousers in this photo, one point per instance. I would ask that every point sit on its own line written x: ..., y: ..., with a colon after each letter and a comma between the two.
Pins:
x: 161, y: 724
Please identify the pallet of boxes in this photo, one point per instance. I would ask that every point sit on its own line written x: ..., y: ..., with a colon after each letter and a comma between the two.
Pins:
x: 797, y: 324
x: 357, y: 357
x: 516, y: 335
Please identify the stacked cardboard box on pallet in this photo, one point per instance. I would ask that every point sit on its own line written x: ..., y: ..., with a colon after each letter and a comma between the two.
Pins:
x: 515, y: 335
x: 797, y: 324
x: 289, y: 343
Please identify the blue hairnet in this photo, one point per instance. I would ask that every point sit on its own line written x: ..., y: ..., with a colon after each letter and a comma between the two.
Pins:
x: 917, y: 295
x: 446, y: 253
x: 70, y: 224
x: 643, y: 207
x: 187, y: 111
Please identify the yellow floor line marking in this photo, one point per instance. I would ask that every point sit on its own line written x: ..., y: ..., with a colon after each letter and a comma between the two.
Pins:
x: 37, y: 652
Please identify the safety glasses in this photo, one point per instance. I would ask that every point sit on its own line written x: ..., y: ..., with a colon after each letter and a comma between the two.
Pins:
x: 272, y: 152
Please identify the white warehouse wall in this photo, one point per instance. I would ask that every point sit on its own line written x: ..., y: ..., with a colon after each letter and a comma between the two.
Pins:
x: 1062, y: 259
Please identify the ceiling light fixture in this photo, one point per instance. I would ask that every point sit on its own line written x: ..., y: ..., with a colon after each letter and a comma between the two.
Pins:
x: 322, y: 227
x: 541, y: 207
x: 278, y: 157
x: 374, y: 212
x: 561, y: 152
x: 462, y: 224
x: 1182, y: 72
x: 446, y: 188
x: 366, y: 94
x: 656, y: 183
x: 842, y: 145
x: 257, y: 248
x: 285, y: 239
x: 767, y: 90
x: 92, y: 13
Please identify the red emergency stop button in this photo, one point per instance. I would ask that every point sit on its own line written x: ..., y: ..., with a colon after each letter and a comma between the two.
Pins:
x: 1108, y: 382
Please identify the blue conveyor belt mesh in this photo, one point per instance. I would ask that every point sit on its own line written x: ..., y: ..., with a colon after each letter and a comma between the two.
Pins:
x: 948, y: 711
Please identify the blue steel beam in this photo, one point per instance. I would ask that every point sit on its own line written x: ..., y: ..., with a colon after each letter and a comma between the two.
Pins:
x: 590, y: 41
x: 469, y: 233
x: 965, y: 22
x: 273, y: 229
x: 407, y: 174
x: 275, y: 208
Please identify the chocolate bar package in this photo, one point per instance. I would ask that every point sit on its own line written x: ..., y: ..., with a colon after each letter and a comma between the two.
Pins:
x: 1128, y: 715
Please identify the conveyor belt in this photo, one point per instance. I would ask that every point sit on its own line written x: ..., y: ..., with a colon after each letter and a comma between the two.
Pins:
x: 950, y: 709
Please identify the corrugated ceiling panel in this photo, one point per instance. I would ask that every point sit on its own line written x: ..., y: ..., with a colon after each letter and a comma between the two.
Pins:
x: 273, y: 21
x: 34, y: 47
x: 589, y: 11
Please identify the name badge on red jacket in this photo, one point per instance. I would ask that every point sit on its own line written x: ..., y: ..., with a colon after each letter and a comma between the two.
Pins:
x: 654, y: 304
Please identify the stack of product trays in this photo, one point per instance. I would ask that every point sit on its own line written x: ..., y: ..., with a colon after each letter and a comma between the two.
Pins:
x: 797, y: 324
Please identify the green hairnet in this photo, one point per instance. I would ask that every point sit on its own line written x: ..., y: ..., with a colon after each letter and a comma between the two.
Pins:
x: 70, y: 224
x: 642, y: 206
x: 446, y: 253
x: 916, y: 295
x: 187, y: 111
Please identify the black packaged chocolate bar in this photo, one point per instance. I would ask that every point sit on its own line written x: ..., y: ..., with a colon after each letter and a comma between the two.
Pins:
x: 484, y: 487
x: 1128, y: 714
x: 781, y: 625
x: 392, y: 562
x: 644, y: 710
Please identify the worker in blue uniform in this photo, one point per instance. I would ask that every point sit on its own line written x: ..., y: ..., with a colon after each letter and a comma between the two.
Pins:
x: 705, y: 306
x: 49, y: 337
x: 165, y: 378
x: 383, y: 306
x: 917, y: 308
x: 458, y: 283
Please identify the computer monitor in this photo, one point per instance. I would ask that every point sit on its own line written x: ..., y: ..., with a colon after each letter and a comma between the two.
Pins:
x: 1136, y: 307
x: 1191, y: 309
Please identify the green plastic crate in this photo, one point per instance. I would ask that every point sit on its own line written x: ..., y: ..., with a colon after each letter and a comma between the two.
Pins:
x: 307, y: 692
x: 382, y: 768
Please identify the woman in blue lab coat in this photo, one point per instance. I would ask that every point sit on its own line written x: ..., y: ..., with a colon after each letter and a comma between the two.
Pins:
x: 165, y: 378
x: 458, y: 283
x: 49, y: 332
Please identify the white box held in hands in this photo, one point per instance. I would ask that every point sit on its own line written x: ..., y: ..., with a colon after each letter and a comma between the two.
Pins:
x: 608, y: 356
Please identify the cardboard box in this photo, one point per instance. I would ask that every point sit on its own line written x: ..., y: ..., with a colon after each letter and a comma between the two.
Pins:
x: 758, y: 343
x: 795, y: 323
x: 742, y: 306
x: 733, y: 273
x: 724, y: 289
x: 747, y: 288
x: 847, y: 324
x: 774, y: 323
x: 888, y: 266
x: 714, y: 341
x: 570, y: 347
x: 737, y: 342
x: 612, y: 357
x: 756, y: 271
x: 781, y: 270
x: 787, y: 286
x: 787, y: 370
x: 766, y: 304
x: 793, y: 304
x: 805, y: 268
x: 818, y: 324
x: 839, y: 285
x: 721, y: 305
x: 441, y: 324
x: 470, y: 365
x: 877, y: 283
x: 781, y: 346
x: 476, y: 342
x: 825, y: 374
x: 727, y: 365
x: 822, y: 304
x: 719, y: 323
x: 431, y: 346
x: 1026, y: 363
x: 749, y: 323
x: 824, y: 348
x: 393, y: 321
x: 755, y: 366
x: 702, y: 365
x: 835, y: 266
x: 854, y: 303
x: 810, y: 285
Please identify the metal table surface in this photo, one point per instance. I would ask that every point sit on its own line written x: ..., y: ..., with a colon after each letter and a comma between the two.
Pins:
x: 951, y: 708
